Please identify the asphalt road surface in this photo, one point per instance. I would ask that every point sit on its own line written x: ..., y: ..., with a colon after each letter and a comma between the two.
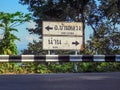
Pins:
x: 73, y: 81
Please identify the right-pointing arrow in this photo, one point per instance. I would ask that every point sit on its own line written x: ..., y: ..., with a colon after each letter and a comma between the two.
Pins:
x: 76, y: 43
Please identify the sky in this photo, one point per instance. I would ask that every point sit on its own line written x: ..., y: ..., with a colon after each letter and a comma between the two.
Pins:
x: 12, y: 6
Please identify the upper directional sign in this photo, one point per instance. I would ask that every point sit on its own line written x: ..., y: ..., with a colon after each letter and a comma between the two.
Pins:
x: 63, y: 28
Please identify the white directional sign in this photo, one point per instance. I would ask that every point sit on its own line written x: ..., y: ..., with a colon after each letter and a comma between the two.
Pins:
x: 62, y: 35
x: 62, y: 43
x: 63, y: 28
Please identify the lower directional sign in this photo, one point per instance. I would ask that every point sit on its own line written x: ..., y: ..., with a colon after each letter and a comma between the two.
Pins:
x: 62, y: 43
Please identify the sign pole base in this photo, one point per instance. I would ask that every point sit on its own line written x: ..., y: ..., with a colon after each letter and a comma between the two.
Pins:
x: 75, y: 65
x: 49, y: 52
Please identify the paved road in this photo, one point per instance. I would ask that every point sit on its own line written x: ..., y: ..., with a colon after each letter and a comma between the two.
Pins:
x: 74, y: 81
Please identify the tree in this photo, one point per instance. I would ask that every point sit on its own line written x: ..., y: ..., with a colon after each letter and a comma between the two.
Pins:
x: 102, y: 16
x: 8, y: 22
x: 55, y: 10
x: 105, y: 23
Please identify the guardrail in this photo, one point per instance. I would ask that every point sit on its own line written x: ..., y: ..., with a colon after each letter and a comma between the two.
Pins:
x: 60, y: 58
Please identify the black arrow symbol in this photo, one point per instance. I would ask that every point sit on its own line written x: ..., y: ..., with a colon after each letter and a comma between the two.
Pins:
x: 48, y: 28
x: 76, y: 43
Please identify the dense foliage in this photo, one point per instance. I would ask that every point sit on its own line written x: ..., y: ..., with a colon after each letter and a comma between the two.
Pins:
x: 8, y: 22
x: 105, y: 21
x: 27, y: 68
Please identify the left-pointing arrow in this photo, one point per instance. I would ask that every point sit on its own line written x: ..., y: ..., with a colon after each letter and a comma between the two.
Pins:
x: 49, y: 28
x: 76, y: 43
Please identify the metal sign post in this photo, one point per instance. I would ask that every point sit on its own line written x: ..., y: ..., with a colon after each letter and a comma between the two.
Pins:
x: 75, y: 65
x: 49, y: 52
